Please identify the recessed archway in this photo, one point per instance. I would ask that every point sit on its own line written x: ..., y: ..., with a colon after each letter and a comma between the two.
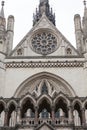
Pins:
x: 55, y: 81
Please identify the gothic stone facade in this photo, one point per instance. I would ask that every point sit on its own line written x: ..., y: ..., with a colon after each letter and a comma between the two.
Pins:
x: 43, y: 80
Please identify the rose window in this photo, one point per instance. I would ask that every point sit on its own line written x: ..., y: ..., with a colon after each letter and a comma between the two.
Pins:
x: 44, y: 43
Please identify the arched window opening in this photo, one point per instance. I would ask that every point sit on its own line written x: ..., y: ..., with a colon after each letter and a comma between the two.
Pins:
x: 77, y: 115
x: 12, y: 116
x: 20, y: 52
x: 28, y: 110
x: 44, y: 110
x: 61, y: 109
x: 2, y: 115
x: 68, y: 51
x: 44, y: 89
x: 86, y: 113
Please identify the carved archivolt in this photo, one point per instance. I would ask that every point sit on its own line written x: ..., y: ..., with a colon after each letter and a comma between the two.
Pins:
x: 44, y: 83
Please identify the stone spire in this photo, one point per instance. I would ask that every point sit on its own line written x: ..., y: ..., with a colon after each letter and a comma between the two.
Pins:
x: 43, y: 1
x: 85, y: 30
x: 2, y: 10
x: 44, y: 7
x: 85, y: 20
x: 2, y: 20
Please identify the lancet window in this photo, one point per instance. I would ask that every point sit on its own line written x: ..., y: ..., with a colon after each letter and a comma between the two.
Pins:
x: 44, y: 89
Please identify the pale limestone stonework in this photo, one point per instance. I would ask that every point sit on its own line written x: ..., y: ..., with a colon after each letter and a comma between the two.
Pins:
x: 43, y: 82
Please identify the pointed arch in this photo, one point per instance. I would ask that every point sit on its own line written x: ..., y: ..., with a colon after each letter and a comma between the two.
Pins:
x: 61, y: 104
x: 44, y: 108
x: 84, y: 103
x: 77, y: 100
x: 44, y: 97
x: 12, y: 101
x: 63, y: 97
x: 45, y: 75
x: 3, y: 103
x: 27, y: 107
x: 26, y: 97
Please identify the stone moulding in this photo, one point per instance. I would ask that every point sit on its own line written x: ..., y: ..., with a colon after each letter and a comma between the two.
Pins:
x: 41, y: 64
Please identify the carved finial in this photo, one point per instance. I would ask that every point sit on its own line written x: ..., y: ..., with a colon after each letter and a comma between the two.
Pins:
x: 84, y: 3
x: 2, y: 3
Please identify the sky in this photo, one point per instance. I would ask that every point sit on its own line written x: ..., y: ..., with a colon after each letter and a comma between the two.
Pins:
x: 23, y: 11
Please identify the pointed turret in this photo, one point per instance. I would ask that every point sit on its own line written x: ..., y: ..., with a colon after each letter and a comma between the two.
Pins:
x: 2, y: 10
x: 85, y: 20
x: 2, y: 49
x: 2, y: 18
x: 85, y: 30
x: 43, y: 1
x: 10, y: 33
x: 2, y: 31
x: 78, y: 33
x: 44, y: 7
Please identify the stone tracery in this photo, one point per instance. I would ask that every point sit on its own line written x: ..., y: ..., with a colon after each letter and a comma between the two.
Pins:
x: 44, y: 43
x: 49, y: 106
x: 51, y: 84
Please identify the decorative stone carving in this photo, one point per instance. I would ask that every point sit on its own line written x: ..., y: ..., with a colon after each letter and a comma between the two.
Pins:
x: 44, y: 43
x: 51, y: 83
x: 47, y: 64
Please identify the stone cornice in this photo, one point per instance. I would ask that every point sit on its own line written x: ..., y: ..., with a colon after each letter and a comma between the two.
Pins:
x: 44, y: 64
x: 43, y: 57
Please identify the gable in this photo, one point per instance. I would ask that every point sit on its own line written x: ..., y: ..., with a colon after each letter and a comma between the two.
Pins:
x: 63, y: 48
x: 44, y: 126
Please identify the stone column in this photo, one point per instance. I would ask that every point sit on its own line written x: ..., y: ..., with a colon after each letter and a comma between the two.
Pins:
x: 53, y: 114
x: 18, y: 111
x: 70, y: 113
x: 16, y: 115
x: 6, y: 117
x: 36, y: 115
x: 83, y: 117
